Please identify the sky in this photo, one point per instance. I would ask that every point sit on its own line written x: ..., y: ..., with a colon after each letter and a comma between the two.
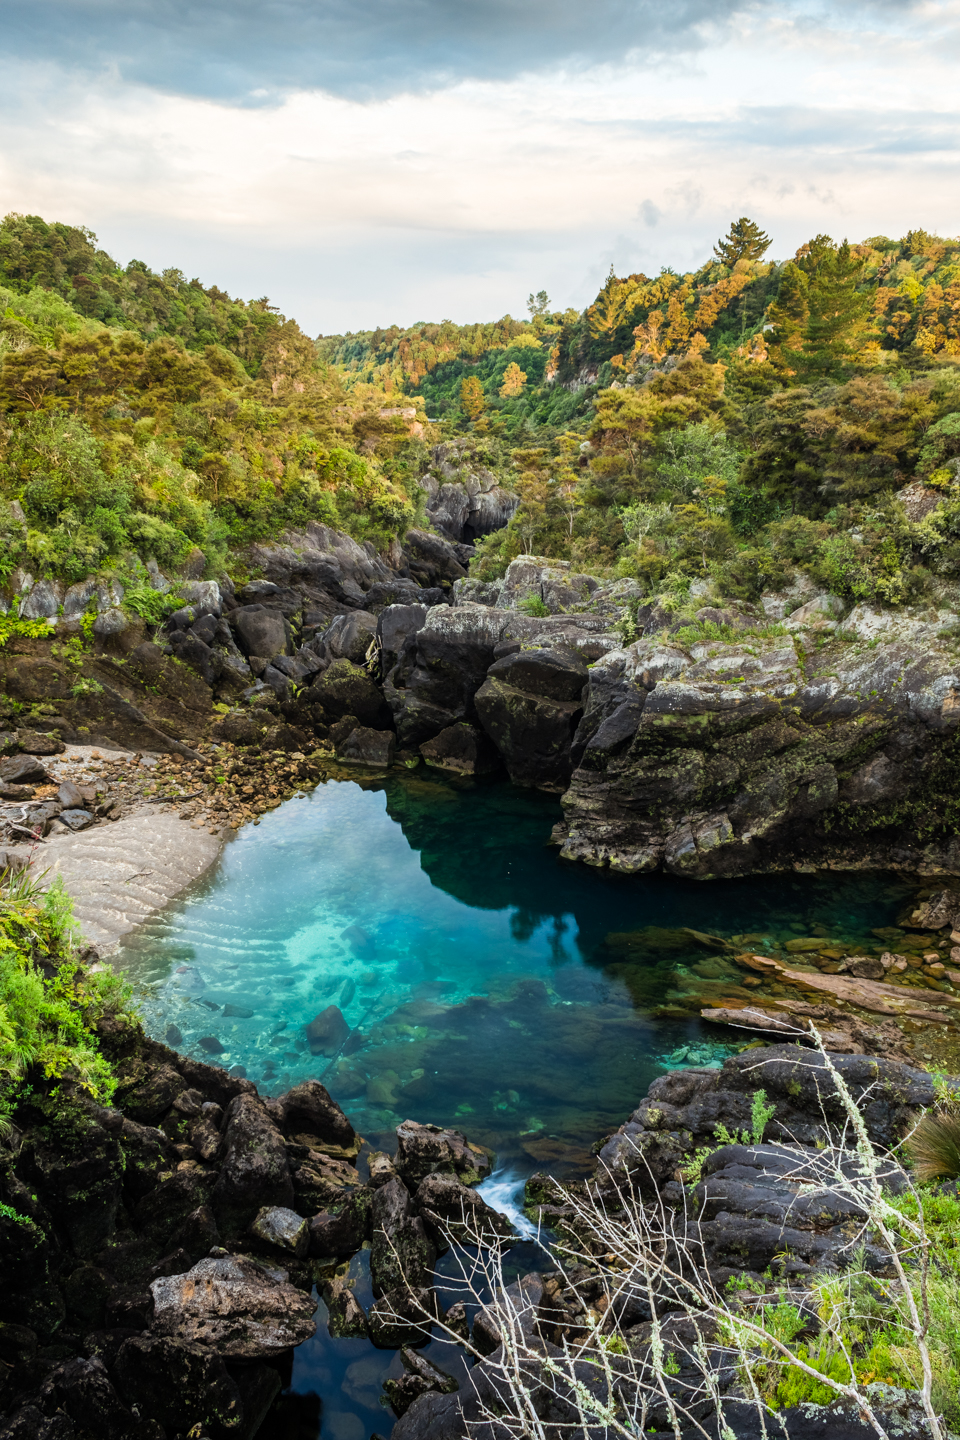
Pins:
x: 376, y: 162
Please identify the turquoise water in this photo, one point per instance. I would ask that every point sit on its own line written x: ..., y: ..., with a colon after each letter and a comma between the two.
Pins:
x: 485, y: 984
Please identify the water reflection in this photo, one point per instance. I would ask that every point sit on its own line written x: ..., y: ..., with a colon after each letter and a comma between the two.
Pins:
x: 417, y: 945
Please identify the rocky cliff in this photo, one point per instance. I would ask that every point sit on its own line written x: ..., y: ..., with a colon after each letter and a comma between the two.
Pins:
x: 729, y: 740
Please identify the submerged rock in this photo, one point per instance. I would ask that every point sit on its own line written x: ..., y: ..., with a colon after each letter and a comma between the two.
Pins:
x: 327, y: 1031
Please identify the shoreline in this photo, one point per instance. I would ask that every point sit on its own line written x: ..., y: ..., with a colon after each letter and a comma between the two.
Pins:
x: 120, y: 872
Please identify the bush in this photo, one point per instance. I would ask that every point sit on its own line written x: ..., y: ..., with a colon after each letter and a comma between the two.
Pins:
x: 934, y: 1146
x: 48, y: 1002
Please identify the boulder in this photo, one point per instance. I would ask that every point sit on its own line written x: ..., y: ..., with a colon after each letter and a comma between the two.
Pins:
x: 424, y: 1150
x: 254, y: 1171
x: 23, y: 770
x: 440, y: 669
x: 163, y: 1211
x: 83, y: 1389
x: 532, y: 732
x: 401, y: 1252
x: 75, y: 819
x: 238, y: 728
x: 402, y: 1317
x: 327, y: 1031
x: 259, y: 631
x: 419, y: 1377
x: 308, y: 1109
x: 432, y: 559
x: 463, y: 749
x: 375, y: 748
x: 342, y: 1229
x: 31, y: 742
x: 346, y: 689
x: 43, y: 602
x: 348, y: 637
x: 345, y: 1319
x: 283, y: 1229
x: 70, y: 796
x: 178, y: 1384
x: 453, y: 1209
x: 557, y: 674
x: 190, y: 650
x: 231, y: 1304
x: 394, y: 625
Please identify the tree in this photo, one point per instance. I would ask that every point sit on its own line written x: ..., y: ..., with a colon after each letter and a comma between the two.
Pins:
x: 538, y: 304
x: 743, y: 241
x: 643, y: 519
x: 471, y: 397
x: 514, y: 380
x: 820, y: 316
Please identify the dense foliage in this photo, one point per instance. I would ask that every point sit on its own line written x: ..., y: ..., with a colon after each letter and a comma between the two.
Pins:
x: 730, y: 423
x: 48, y: 1002
x: 161, y: 418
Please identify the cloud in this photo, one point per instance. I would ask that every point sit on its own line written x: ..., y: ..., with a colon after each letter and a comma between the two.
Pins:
x: 254, y: 50
x: 395, y: 201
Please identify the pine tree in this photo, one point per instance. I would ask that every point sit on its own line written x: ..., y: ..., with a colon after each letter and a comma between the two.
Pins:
x: 788, y: 315
x: 743, y: 241
x: 838, y: 309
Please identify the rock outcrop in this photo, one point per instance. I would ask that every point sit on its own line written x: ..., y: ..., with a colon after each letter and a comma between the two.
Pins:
x: 123, y: 1315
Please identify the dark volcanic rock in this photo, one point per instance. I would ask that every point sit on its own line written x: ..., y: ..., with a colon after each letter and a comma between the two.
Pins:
x: 346, y: 689
x: 402, y: 1317
x: 308, y: 1109
x: 179, y: 1384
x: 424, y: 1150
x: 33, y: 743
x: 348, y: 637
x: 440, y: 669
x: 451, y: 1208
x: 259, y: 631
x: 394, y: 625
x: 23, y: 770
x: 431, y: 558
x: 343, y: 1229
x: 401, y: 1253
x: 376, y: 748
x: 532, y: 731
x: 555, y: 674
x: 254, y: 1171
x: 241, y: 1309
x: 463, y: 749
x: 327, y: 1031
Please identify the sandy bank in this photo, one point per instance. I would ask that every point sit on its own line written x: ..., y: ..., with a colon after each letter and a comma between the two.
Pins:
x: 120, y: 872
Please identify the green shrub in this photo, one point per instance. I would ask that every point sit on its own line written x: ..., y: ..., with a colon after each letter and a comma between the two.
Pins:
x: 533, y: 605
x: 48, y: 1003
x: 151, y: 605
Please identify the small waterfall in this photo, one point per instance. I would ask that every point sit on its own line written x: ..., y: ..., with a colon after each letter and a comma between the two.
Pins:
x: 503, y: 1191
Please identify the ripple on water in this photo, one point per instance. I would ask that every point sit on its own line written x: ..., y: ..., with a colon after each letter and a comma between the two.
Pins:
x: 484, y: 982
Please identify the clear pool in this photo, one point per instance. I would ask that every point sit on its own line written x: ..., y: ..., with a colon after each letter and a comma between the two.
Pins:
x: 485, y: 983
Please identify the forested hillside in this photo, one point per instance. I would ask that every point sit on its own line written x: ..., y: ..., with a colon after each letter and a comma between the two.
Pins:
x: 726, y: 424
x: 144, y: 415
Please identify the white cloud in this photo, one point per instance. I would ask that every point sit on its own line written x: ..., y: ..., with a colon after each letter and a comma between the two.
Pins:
x: 458, y: 202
